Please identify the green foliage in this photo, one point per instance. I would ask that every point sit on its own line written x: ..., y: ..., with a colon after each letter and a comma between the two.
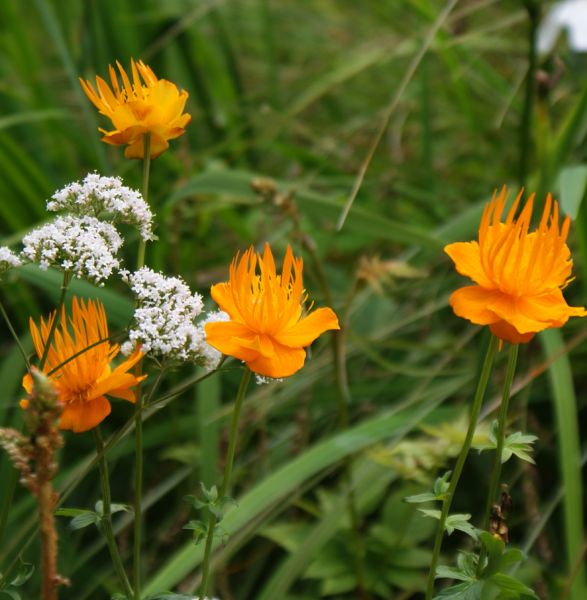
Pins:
x: 10, y: 589
x: 516, y: 443
x: 491, y: 580
x: 293, y: 91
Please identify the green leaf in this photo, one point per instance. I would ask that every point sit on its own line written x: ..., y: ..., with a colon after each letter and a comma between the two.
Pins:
x: 441, y: 485
x: 444, y: 572
x: 25, y: 572
x: 572, y: 183
x: 425, y: 497
x: 470, y: 590
x: 81, y: 521
x: 82, y: 517
x: 513, y: 587
x: 11, y: 593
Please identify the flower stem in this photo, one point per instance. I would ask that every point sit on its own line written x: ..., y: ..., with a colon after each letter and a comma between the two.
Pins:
x: 56, y: 320
x: 106, y: 518
x: 501, y: 423
x: 454, y: 480
x: 225, y: 487
x: 138, y: 516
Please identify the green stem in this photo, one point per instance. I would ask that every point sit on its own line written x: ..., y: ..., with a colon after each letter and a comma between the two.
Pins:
x: 501, y: 424
x: 15, y: 336
x: 454, y: 480
x: 138, y: 515
x: 56, y: 320
x: 225, y: 487
x: 106, y: 518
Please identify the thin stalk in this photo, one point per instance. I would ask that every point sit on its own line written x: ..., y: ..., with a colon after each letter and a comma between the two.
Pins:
x: 225, y: 487
x: 106, y: 519
x: 56, y: 320
x: 454, y: 480
x: 15, y: 336
x: 501, y: 424
x: 138, y: 516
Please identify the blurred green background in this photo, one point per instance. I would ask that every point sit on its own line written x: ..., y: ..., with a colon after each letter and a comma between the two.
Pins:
x: 297, y: 91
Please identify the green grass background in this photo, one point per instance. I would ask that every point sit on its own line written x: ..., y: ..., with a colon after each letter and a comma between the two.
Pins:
x: 296, y: 91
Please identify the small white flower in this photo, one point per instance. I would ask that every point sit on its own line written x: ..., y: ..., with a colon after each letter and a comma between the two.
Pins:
x: 262, y: 380
x: 164, y: 320
x: 97, y: 196
x: 83, y: 246
x: 8, y: 259
x: 570, y: 15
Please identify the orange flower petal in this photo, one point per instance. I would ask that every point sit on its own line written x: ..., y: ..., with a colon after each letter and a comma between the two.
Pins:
x: 233, y: 339
x: 267, y: 329
x: 145, y: 105
x: 309, y: 328
x: 471, y: 303
x: 284, y: 362
x: 467, y: 259
x: 82, y: 416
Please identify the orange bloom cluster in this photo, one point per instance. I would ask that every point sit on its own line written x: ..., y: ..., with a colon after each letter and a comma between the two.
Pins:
x: 519, y: 274
x: 147, y: 105
x: 267, y: 329
x: 79, y: 365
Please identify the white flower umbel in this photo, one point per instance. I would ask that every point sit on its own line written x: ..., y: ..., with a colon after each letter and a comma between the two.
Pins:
x: 82, y: 246
x: 8, y: 259
x: 164, y: 320
x: 98, y: 196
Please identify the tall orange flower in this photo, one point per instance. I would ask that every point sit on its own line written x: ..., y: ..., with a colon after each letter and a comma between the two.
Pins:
x: 147, y: 105
x: 79, y: 365
x: 267, y: 329
x: 519, y: 274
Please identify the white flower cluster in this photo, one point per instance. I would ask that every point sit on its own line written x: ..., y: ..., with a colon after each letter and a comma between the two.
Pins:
x: 8, y: 259
x: 97, y: 195
x: 82, y: 246
x: 164, y: 320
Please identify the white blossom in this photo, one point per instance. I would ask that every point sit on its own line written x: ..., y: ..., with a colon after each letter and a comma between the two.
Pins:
x: 83, y: 246
x: 97, y: 196
x: 8, y: 259
x: 262, y: 380
x: 164, y: 320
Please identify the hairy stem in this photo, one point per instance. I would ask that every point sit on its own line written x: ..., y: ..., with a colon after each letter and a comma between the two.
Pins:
x: 454, y: 480
x: 225, y: 487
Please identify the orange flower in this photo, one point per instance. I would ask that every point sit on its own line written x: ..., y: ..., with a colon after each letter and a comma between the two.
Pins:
x: 519, y: 275
x: 83, y: 381
x: 153, y: 106
x: 266, y: 328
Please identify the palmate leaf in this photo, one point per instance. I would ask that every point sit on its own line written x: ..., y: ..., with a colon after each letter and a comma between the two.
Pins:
x: 469, y: 590
x: 517, y: 443
x: 456, y: 521
x: 438, y: 492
